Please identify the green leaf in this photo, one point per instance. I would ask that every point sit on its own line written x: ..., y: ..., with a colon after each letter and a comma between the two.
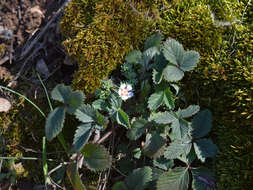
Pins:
x: 86, y: 114
x: 153, y: 41
x: 201, y: 124
x: 155, y: 100
x: 138, y: 128
x: 173, y: 51
x: 96, y: 157
x: 134, y: 57
x: 190, y: 60
x: 168, y: 98
x: 157, y: 76
x: 172, y: 73
x: 61, y: 93
x: 203, y: 179
x: 189, y: 111
x: 205, y: 148
x: 115, y: 102
x: 163, y: 117
x: 137, y: 153
x: 179, y: 128
x: 145, y: 89
x: 148, y: 55
x: 120, y: 186
x: 122, y: 118
x: 156, y: 173
x: 82, y: 135
x: 74, y: 178
x: 176, y: 179
x: 176, y: 148
x: 99, y: 104
x: 154, y: 145
x: 55, y: 122
x: 163, y: 163
x: 139, y: 178
x: 188, y: 158
x: 72, y: 99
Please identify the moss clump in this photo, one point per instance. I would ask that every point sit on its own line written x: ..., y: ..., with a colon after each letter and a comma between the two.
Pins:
x: 109, y: 30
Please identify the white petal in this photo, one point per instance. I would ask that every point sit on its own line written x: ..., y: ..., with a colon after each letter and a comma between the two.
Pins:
x: 124, y: 97
x: 129, y: 87
x: 119, y: 92
x: 122, y: 86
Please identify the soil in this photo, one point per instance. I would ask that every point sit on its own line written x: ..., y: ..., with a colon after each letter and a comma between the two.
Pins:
x: 21, y: 21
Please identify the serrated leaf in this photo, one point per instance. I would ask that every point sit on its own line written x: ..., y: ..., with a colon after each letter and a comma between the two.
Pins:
x: 188, y: 158
x: 120, y: 186
x: 176, y: 148
x: 153, y: 41
x: 122, y: 118
x: 173, y: 51
x: 99, y: 104
x: 176, y: 179
x: 190, y: 60
x: 201, y: 124
x: 155, y: 100
x: 148, y: 55
x: 139, y: 178
x: 156, y: 173
x: 163, y: 163
x: 115, y: 102
x: 157, y: 76
x: 73, y: 175
x: 172, y: 73
x: 134, y: 57
x: 72, y: 99
x: 163, y: 117
x: 55, y: 122
x: 179, y: 128
x: 138, y: 128
x: 154, y: 145
x: 189, y: 111
x: 96, y: 157
x: 205, y: 148
x: 203, y: 179
x: 168, y: 99
x: 82, y: 135
x: 86, y: 114
x: 61, y: 93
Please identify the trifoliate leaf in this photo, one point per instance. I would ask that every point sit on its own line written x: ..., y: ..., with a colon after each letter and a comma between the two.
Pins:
x: 173, y: 51
x: 82, y: 135
x: 139, y: 178
x: 201, y: 124
x: 176, y: 179
x: 176, y: 148
x: 134, y: 57
x: 122, y: 118
x: 203, y: 179
x: 86, y: 114
x: 163, y: 163
x: 55, y: 122
x: 120, y: 186
x: 74, y: 178
x: 96, y: 157
x: 154, y: 145
x: 72, y: 99
x: 138, y: 128
x: 190, y: 60
x: 172, y: 73
x: 153, y: 41
x: 189, y: 111
x: 155, y: 100
x: 179, y: 128
x: 205, y: 148
x: 163, y: 117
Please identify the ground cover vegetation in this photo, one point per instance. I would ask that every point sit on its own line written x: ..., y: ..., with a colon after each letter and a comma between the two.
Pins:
x: 99, y: 34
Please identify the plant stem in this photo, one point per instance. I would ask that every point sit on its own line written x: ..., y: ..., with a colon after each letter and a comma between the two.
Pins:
x: 44, y: 158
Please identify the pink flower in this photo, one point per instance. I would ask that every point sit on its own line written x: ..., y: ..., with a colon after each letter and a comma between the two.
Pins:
x: 125, y: 91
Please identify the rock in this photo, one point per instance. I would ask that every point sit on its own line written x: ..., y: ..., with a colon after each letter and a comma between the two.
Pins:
x: 5, y: 105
